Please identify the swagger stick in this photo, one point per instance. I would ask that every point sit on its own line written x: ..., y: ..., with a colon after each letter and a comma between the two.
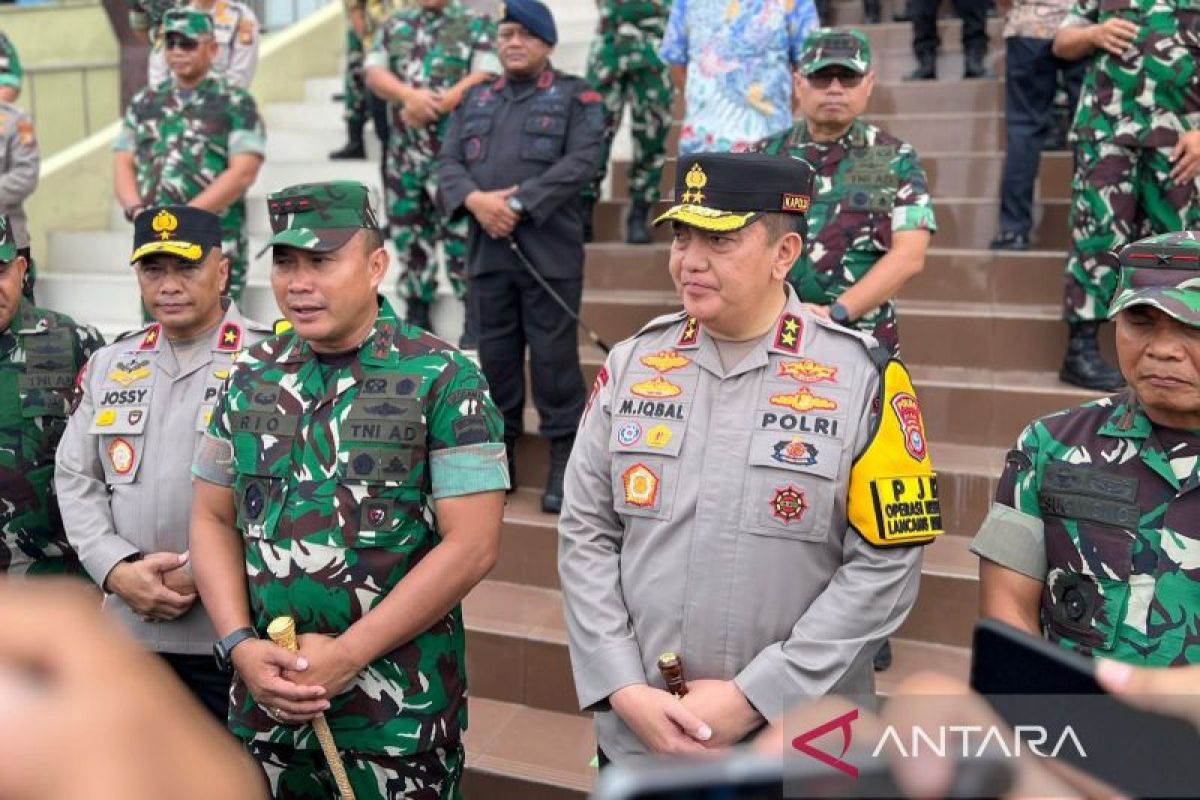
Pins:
x: 282, y: 631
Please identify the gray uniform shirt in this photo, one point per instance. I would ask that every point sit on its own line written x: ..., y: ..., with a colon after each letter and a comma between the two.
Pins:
x: 236, y: 30
x: 20, y: 162
x: 705, y: 514
x: 123, y: 468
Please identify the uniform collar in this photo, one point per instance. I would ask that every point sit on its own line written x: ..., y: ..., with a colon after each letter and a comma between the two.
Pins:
x: 1128, y: 421
x: 855, y: 137
x: 376, y: 350
x: 787, y: 337
x: 24, y: 322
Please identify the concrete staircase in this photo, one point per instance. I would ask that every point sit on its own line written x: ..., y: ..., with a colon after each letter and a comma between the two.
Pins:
x: 980, y: 331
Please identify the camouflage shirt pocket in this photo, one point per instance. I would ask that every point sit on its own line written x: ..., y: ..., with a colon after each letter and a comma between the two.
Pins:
x: 1084, y: 609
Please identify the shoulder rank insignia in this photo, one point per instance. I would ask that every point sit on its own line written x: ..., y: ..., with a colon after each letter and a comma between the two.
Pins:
x: 691, y: 333
x: 150, y: 340
x: 281, y: 326
x: 230, y: 337
x: 787, y: 335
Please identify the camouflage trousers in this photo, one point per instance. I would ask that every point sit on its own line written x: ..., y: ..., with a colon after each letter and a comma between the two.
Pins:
x: 304, y: 775
x: 647, y: 92
x: 1118, y: 195
x: 354, y: 86
x: 417, y: 224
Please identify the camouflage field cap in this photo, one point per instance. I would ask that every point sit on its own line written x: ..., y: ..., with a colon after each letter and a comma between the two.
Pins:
x: 841, y: 47
x: 187, y: 22
x: 8, y: 247
x: 180, y: 231
x: 722, y: 192
x: 319, y: 216
x: 1162, y: 271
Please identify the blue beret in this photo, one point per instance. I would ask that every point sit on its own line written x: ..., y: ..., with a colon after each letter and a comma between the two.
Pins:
x: 534, y: 15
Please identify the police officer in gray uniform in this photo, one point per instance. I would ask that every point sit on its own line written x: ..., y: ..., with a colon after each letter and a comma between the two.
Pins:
x: 20, y: 163
x: 518, y: 151
x: 732, y: 497
x: 123, y: 469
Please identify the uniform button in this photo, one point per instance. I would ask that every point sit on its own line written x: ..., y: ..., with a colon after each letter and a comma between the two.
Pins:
x: 1075, y: 604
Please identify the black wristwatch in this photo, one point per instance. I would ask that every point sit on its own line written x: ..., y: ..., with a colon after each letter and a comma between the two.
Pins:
x: 132, y: 211
x: 223, y: 650
x: 839, y: 314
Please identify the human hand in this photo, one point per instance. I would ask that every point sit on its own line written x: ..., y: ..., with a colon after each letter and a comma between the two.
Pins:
x: 659, y: 720
x: 421, y: 107
x: 1186, y: 157
x: 1166, y: 690
x: 73, y: 681
x: 492, y: 212
x: 329, y: 663
x: 1115, y: 35
x: 263, y: 666
x: 142, y: 585
x: 722, y: 705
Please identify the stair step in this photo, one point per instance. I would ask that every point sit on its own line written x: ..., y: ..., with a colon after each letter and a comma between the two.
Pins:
x: 517, y: 648
x: 963, y: 222
x: 519, y: 753
x: 951, y: 275
x: 950, y: 173
x: 997, y: 335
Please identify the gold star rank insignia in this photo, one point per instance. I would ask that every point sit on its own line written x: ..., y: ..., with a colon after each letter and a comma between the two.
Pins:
x: 787, y: 335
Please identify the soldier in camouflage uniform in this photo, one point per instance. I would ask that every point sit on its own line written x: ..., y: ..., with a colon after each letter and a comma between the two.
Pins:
x: 871, y: 212
x: 625, y: 67
x: 11, y: 72
x: 363, y: 18
x: 1137, y: 153
x: 41, y: 353
x: 1093, y: 537
x: 423, y: 62
x: 194, y: 141
x: 365, y: 462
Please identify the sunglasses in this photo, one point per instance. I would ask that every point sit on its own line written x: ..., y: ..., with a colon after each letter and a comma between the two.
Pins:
x: 175, y: 42
x: 823, y: 78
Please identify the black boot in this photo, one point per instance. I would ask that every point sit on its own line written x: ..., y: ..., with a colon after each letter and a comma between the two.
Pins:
x: 871, y: 15
x: 973, y: 66
x: 560, y: 453
x: 589, y: 207
x: 636, y: 231
x: 883, y: 656
x: 510, y: 447
x: 904, y: 14
x: 825, y: 12
x: 926, y: 68
x: 1083, y: 364
x: 354, y: 147
x: 416, y: 312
